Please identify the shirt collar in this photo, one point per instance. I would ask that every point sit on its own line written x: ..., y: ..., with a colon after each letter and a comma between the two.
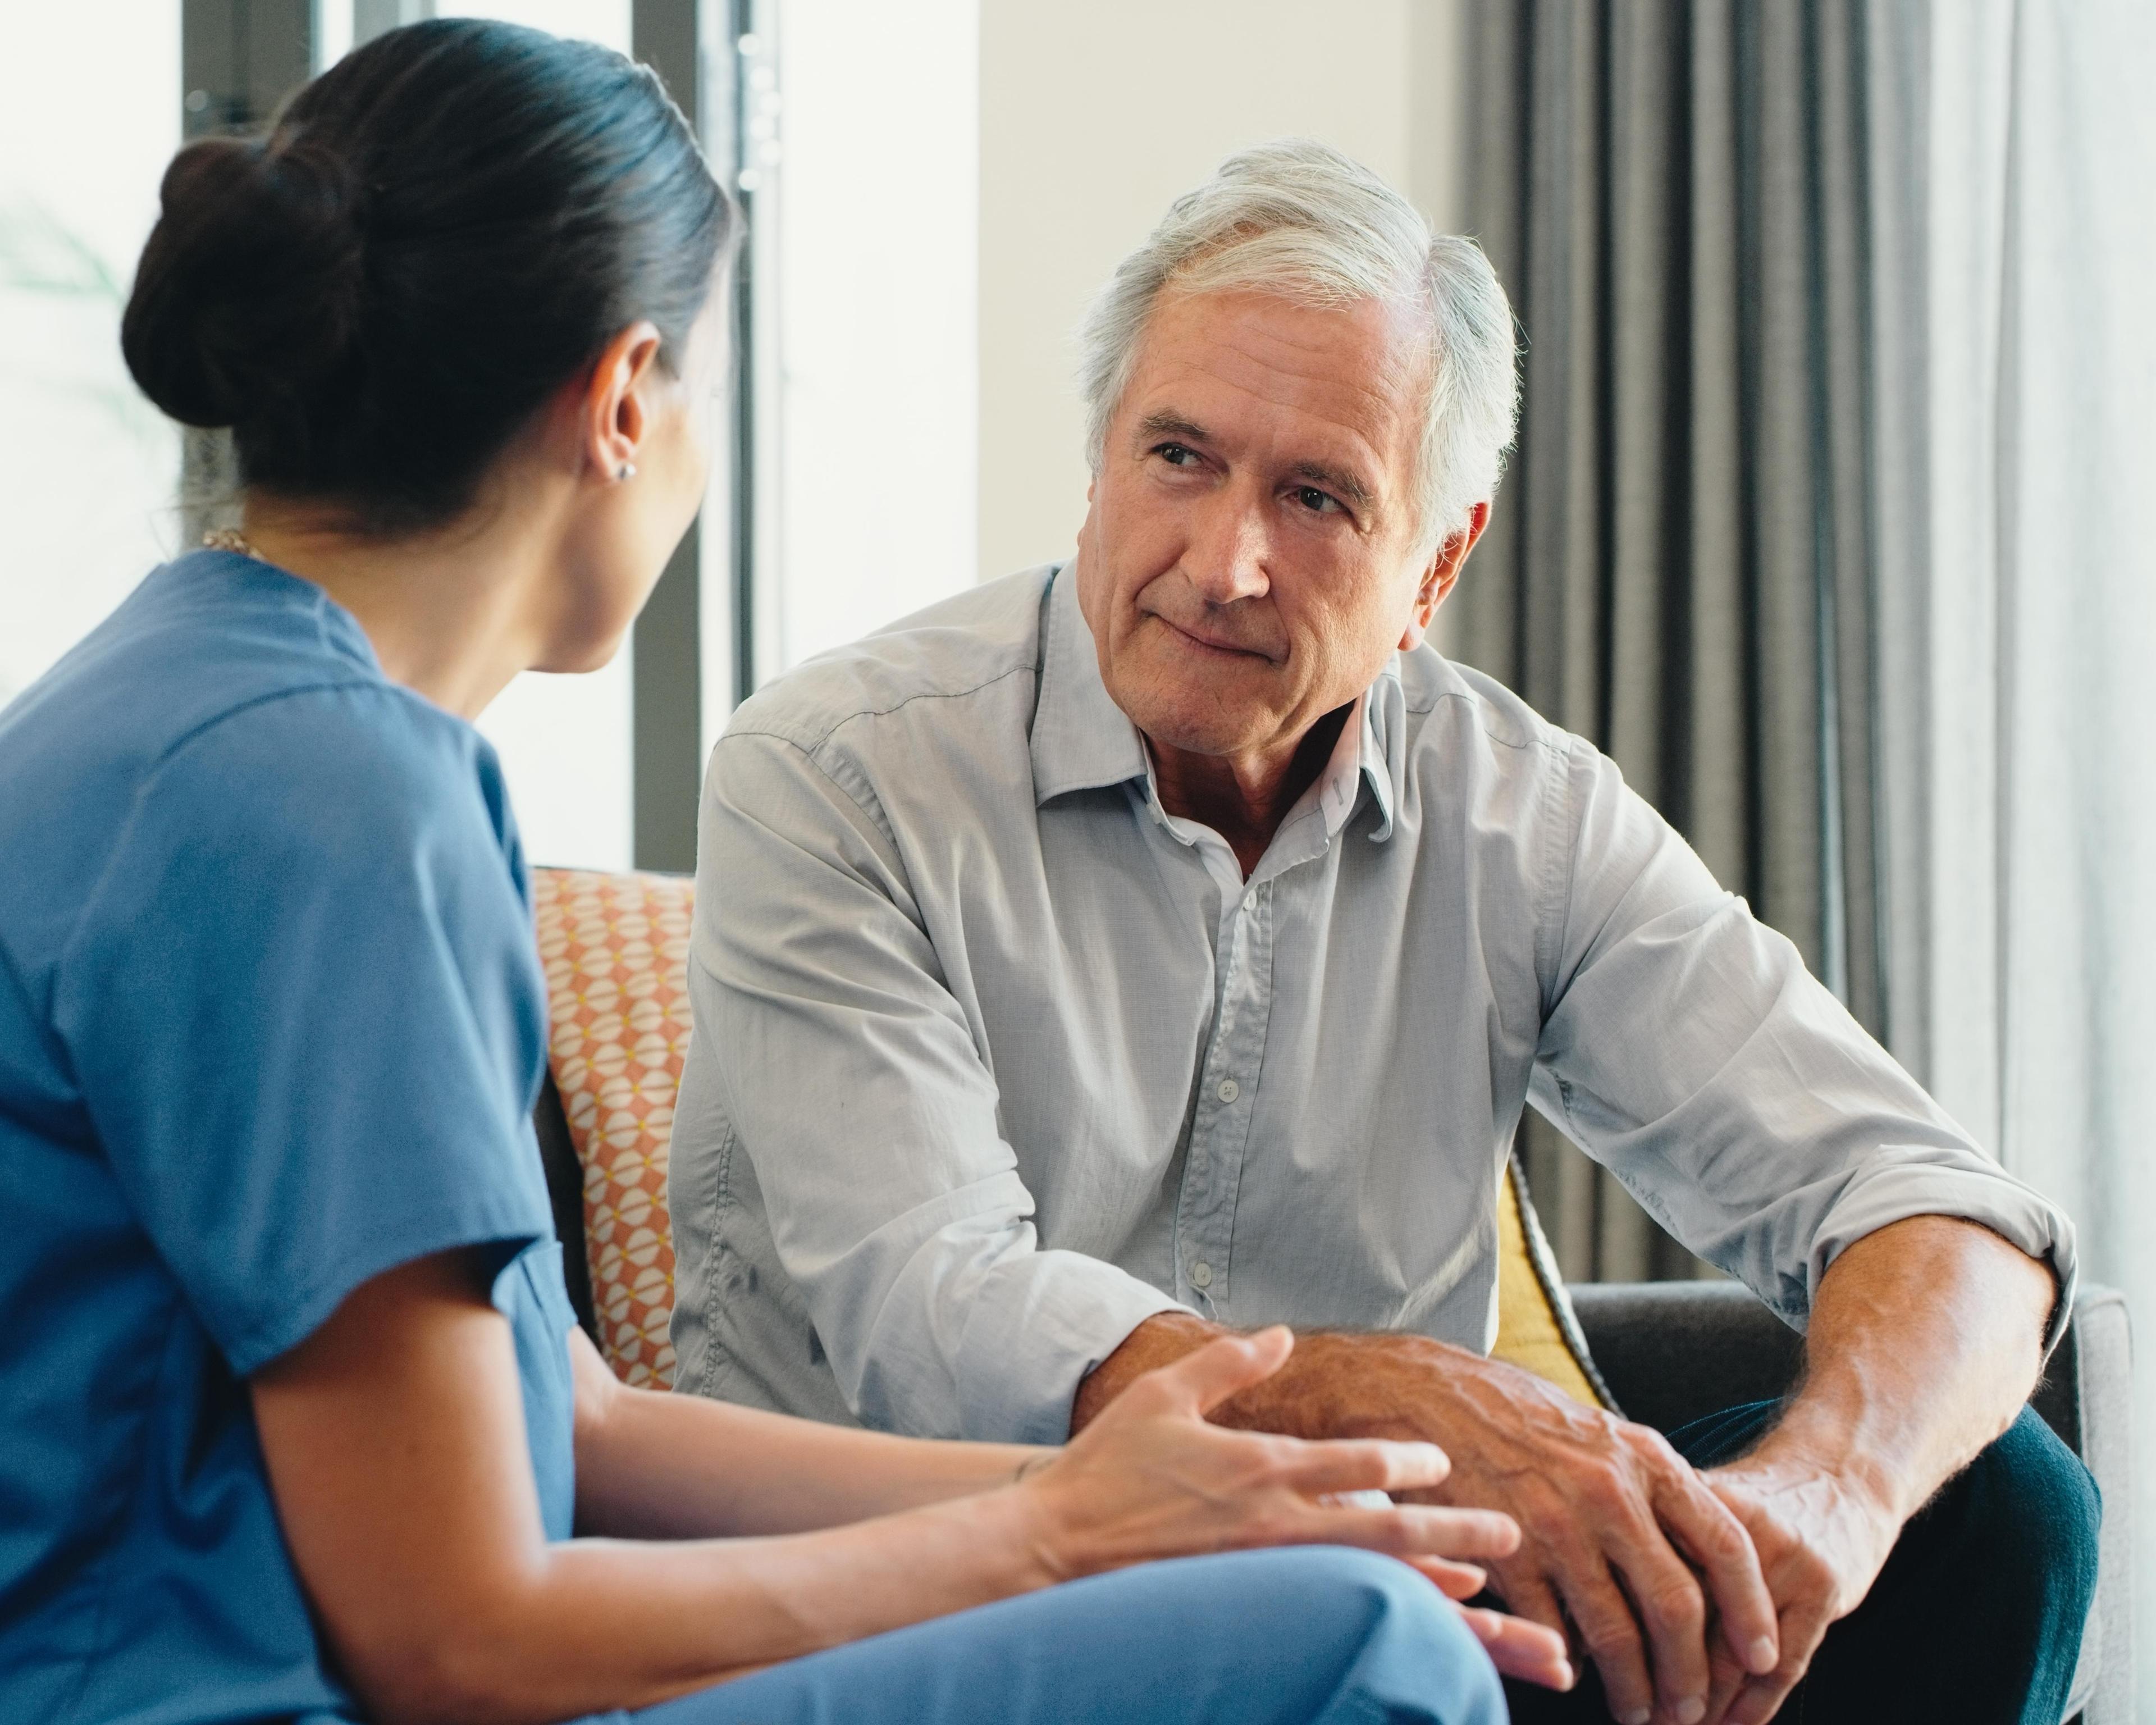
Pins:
x: 1082, y: 739
x: 1333, y: 790
x: 1357, y: 755
x: 1381, y: 701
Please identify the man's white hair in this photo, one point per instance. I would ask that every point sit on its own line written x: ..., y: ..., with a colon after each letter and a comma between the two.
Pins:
x: 1303, y: 221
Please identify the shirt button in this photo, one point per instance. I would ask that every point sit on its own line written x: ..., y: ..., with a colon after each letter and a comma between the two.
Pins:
x: 1229, y: 1090
x: 1201, y: 1275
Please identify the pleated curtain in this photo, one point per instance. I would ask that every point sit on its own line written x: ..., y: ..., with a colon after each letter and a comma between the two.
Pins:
x: 1833, y: 519
x: 1679, y: 564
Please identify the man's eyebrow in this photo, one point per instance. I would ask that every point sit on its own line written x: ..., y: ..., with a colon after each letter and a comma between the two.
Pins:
x: 1333, y: 479
x: 1173, y: 425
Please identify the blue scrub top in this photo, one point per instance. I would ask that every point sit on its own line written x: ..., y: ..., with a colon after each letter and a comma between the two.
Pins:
x: 271, y: 1023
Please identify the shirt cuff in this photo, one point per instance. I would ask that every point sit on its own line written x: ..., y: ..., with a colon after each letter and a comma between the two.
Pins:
x: 1040, y: 1321
x: 1991, y: 1198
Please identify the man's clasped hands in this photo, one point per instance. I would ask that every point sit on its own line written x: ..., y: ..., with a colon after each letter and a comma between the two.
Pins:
x: 1698, y: 1595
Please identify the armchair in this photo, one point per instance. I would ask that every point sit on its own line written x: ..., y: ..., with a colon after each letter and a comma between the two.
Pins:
x: 1662, y: 1352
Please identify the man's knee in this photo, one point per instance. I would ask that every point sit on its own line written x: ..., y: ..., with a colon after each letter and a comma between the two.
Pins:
x: 1977, y: 1615
x: 1995, y: 1574
x: 2036, y: 1511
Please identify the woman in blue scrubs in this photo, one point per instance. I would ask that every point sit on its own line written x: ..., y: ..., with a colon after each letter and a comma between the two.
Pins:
x: 294, y: 1422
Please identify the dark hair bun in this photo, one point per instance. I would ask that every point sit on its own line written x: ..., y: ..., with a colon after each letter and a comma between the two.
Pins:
x: 249, y: 295
x: 435, y: 235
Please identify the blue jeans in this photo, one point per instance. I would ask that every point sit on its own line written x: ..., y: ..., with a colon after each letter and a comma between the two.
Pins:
x: 1976, y: 1618
x: 1294, y: 1636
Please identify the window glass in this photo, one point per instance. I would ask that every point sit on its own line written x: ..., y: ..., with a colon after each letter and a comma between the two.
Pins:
x: 88, y: 468
x: 601, y: 20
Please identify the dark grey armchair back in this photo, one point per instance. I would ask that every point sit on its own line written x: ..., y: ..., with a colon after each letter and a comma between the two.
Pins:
x: 1673, y: 1352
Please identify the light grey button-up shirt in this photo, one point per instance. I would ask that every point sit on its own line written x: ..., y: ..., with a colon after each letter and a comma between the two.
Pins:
x: 994, y: 1058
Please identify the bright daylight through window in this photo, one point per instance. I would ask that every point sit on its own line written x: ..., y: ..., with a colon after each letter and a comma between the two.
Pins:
x: 87, y: 467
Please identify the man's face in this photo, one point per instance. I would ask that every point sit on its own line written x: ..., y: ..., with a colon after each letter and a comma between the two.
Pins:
x: 1249, y: 561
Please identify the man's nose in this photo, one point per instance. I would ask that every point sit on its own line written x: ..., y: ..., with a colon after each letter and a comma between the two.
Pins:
x: 1226, y: 558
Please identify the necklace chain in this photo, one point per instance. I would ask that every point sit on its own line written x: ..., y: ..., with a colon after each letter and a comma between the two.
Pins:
x: 231, y: 539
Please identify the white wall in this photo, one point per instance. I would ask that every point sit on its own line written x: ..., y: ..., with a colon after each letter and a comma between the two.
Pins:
x: 86, y: 464
x: 878, y: 217
x: 1094, y: 117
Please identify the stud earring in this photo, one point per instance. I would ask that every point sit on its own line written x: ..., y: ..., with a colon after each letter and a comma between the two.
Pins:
x: 627, y: 471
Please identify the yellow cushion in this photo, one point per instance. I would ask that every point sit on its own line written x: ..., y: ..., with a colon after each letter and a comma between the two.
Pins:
x: 615, y: 948
x: 1529, y: 1334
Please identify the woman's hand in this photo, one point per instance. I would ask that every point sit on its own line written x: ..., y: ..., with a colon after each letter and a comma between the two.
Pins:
x: 395, y: 1442
x: 1151, y: 1478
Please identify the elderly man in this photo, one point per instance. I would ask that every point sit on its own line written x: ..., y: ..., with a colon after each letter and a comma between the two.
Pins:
x: 1169, y: 940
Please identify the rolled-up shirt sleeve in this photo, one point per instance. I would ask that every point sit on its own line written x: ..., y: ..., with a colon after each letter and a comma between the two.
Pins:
x: 858, y: 1089
x: 1685, y: 1047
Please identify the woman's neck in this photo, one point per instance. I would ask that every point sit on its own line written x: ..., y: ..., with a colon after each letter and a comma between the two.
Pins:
x: 451, y: 613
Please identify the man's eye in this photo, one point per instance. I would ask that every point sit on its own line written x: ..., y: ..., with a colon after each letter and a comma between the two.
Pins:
x: 1315, y: 500
x: 1174, y: 455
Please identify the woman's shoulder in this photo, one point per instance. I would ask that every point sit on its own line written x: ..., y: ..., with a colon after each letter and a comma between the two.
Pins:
x: 357, y: 762
x: 232, y: 711
x: 214, y: 646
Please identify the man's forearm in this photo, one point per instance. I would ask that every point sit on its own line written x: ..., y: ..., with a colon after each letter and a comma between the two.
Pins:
x: 1160, y: 1340
x: 1925, y: 1338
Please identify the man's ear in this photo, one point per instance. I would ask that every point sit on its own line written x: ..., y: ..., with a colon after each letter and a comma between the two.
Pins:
x: 617, y: 412
x: 1444, y: 566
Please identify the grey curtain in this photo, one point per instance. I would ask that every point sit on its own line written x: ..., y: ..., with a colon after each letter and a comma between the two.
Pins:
x: 1832, y: 521
x: 1680, y: 565
x: 2015, y: 144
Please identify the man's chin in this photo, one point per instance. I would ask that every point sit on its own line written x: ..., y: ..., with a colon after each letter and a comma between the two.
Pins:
x: 1201, y: 733
x: 1224, y: 714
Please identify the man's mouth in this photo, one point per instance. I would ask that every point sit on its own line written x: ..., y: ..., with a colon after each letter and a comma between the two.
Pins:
x: 1214, y: 644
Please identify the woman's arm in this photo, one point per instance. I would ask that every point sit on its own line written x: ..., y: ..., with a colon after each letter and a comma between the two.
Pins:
x: 395, y: 1445
x: 652, y: 1466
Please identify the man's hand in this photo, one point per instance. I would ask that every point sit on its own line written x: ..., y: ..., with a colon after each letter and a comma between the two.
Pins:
x: 1619, y: 1537
x: 1925, y: 1339
x: 1822, y: 1541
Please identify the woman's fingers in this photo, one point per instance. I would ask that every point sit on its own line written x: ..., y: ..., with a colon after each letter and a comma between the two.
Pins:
x: 1206, y: 1377
x: 1331, y: 1466
x: 1415, y: 1530
x: 1455, y: 1581
x: 1464, y: 1533
x: 1521, y: 1648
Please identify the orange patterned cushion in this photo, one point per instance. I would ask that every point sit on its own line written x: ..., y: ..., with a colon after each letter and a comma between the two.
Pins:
x: 615, y: 948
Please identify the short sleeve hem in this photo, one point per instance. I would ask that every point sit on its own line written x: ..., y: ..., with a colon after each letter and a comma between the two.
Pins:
x: 508, y: 1227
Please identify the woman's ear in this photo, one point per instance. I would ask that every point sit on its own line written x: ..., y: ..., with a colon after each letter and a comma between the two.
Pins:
x: 1444, y: 564
x: 617, y: 410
